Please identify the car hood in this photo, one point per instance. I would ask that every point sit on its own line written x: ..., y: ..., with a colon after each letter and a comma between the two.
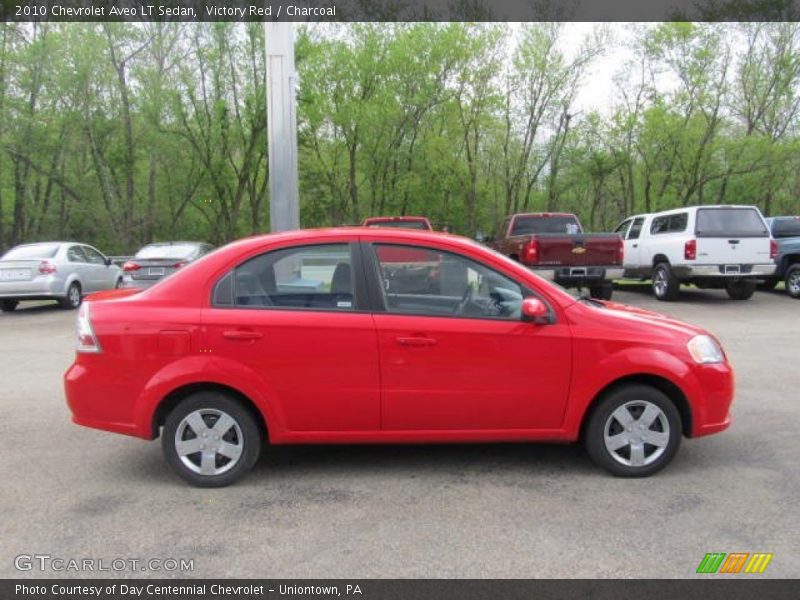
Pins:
x: 624, y: 316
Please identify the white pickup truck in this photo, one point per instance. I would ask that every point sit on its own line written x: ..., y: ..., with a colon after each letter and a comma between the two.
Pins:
x: 709, y: 246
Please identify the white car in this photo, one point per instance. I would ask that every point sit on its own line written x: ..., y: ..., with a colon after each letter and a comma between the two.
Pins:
x: 718, y: 246
x: 61, y: 271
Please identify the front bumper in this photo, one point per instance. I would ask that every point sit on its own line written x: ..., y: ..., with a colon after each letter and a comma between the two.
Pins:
x: 576, y: 276
x: 710, y: 405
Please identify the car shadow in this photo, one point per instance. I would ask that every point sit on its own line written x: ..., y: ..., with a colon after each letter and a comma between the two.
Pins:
x: 32, y: 308
x: 689, y: 294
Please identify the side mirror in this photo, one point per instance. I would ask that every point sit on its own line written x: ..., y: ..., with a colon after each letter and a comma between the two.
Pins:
x: 535, y: 311
x: 107, y: 261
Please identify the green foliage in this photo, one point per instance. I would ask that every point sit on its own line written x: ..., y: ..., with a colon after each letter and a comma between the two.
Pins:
x: 119, y: 134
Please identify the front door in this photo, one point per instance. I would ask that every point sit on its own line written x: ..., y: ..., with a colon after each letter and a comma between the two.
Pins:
x: 633, y: 254
x: 455, y: 354
x: 290, y: 316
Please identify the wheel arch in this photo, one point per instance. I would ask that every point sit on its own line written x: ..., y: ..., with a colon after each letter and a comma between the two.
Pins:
x: 660, y: 258
x: 173, y: 398
x: 667, y: 387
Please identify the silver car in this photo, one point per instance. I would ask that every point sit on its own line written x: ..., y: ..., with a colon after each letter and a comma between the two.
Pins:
x: 158, y: 260
x: 61, y: 271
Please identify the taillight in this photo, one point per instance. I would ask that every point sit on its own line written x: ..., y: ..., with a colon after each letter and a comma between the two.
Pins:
x: 130, y: 266
x: 178, y: 265
x: 773, y: 248
x: 46, y: 267
x: 87, y: 340
x: 530, y: 253
x: 621, y: 250
x: 690, y: 250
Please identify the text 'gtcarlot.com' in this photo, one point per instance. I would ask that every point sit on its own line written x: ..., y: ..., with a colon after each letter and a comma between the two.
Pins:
x: 46, y: 562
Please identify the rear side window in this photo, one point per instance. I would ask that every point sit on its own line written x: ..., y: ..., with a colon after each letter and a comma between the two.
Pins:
x: 723, y: 222
x: 669, y: 223
x: 783, y: 228
x: 75, y: 254
x: 308, y: 277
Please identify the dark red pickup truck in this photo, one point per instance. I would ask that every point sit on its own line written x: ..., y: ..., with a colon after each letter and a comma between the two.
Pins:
x: 554, y: 246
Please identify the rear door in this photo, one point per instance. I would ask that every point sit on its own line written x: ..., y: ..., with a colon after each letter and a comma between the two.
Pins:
x: 455, y: 354
x: 731, y: 236
x: 79, y: 263
x: 294, y: 318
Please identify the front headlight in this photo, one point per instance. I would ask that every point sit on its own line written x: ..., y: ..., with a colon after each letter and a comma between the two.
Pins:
x: 705, y: 350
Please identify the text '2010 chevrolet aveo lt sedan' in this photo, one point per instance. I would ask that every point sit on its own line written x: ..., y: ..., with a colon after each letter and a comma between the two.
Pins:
x: 366, y: 336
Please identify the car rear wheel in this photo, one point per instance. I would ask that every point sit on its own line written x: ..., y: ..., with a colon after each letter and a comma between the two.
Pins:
x: 666, y: 286
x: 604, y: 291
x: 741, y: 290
x: 8, y: 305
x: 211, y: 440
x: 73, y: 298
x: 635, y: 431
x: 793, y: 281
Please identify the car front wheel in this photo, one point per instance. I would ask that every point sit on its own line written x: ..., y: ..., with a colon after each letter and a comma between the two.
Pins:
x: 635, y: 431
x: 211, y: 440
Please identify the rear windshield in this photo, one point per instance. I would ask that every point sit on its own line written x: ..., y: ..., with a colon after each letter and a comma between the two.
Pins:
x: 400, y: 224
x: 31, y: 251
x: 745, y: 222
x: 538, y: 224
x: 782, y: 228
x: 170, y: 251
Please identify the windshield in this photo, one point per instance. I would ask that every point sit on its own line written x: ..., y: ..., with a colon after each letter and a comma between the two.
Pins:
x: 167, y: 251
x: 722, y: 222
x: 400, y: 224
x: 31, y: 251
x: 541, y: 224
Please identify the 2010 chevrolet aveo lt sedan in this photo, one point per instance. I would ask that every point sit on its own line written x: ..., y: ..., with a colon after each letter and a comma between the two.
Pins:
x: 366, y: 336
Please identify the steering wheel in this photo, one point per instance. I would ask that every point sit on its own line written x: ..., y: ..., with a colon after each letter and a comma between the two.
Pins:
x: 465, y: 300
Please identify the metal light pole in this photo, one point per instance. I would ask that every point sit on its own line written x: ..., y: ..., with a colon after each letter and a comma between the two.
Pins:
x: 281, y: 127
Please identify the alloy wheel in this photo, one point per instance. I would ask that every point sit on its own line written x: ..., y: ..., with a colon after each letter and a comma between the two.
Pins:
x: 637, y: 433
x: 209, y: 441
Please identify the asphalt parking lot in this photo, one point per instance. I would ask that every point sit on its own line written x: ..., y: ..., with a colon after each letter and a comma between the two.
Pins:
x: 424, y: 511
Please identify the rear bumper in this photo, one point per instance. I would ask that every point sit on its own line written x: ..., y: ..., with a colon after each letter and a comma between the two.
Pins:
x: 723, y: 272
x: 137, y: 284
x: 40, y: 288
x: 580, y: 275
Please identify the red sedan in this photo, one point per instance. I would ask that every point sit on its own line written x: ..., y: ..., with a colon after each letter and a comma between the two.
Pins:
x: 309, y: 337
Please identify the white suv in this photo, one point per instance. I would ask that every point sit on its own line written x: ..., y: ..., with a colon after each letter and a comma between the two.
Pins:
x: 709, y: 246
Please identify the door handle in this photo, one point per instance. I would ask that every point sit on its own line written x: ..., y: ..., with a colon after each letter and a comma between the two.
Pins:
x: 415, y: 341
x: 635, y: 245
x: 239, y: 334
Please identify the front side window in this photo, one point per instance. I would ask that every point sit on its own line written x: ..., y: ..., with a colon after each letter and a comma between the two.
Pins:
x: 622, y: 228
x: 93, y: 256
x: 636, y: 228
x: 308, y: 277
x: 430, y: 282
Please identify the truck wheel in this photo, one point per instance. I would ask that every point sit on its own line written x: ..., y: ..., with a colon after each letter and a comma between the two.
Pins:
x: 768, y: 284
x: 793, y: 281
x: 666, y: 286
x: 602, y: 291
x: 741, y: 290
x: 8, y: 305
x: 634, y: 432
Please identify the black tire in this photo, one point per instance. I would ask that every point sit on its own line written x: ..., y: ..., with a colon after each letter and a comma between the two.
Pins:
x: 793, y: 281
x: 768, y: 284
x: 118, y: 285
x: 604, y: 291
x: 247, y: 438
x: 8, y: 305
x: 73, y: 298
x: 666, y: 287
x: 631, y: 397
x: 741, y: 290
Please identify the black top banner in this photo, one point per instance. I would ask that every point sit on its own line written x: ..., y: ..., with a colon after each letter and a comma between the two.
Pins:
x: 400, y: 10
